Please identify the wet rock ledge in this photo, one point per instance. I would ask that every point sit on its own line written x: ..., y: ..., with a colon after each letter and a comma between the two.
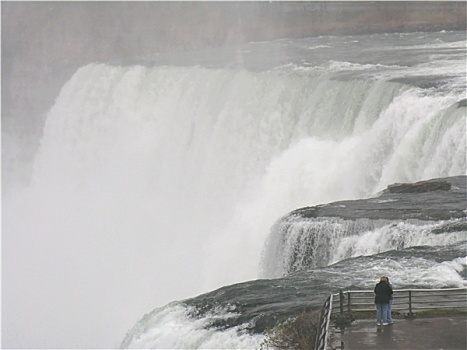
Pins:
x: 435, y: 199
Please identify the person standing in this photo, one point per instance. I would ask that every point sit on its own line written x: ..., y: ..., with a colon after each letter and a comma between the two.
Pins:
x: 390, y: 321
x: 383, y: 292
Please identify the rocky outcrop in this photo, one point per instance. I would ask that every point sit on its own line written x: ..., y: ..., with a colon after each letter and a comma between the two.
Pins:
x: 437, y: 199
x: 420, y: 187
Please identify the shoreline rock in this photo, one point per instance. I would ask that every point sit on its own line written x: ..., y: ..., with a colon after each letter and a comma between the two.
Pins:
x: 435, y: 199
x: 420, y: 187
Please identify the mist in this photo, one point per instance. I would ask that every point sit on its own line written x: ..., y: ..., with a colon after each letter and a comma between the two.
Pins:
x: 109, y: 212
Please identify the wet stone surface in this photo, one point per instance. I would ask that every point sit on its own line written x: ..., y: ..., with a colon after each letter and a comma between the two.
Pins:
x: 438, y: 199
x: 419, y: 333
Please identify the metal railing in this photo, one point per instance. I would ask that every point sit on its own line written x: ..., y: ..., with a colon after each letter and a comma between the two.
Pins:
x: 407, y: 302
x: 322, y: 333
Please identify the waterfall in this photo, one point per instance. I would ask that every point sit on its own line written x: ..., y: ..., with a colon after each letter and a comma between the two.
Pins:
x: 157, y: 183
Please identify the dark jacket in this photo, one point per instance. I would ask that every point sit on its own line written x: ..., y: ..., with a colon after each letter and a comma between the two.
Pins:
x: 383, y: 293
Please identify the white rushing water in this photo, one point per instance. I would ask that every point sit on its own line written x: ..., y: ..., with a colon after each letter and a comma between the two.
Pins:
x: 172, y: 327
x: 153, y: 184
x: 297, y: 243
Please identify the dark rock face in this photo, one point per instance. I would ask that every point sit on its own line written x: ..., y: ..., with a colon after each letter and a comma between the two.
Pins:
x: 437, y: 199
x: 400, y: 215
x: 420, y: 187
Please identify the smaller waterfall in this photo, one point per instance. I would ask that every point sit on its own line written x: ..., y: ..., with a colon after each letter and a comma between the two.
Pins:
x: 296, y: 243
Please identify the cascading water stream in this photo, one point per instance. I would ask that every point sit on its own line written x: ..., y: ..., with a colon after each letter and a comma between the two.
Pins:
x: 296, y: 243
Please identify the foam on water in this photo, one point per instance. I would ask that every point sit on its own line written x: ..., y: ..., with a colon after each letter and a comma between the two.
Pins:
x: 393, y: 237
x: 415, y: 271
x: 174, y: 327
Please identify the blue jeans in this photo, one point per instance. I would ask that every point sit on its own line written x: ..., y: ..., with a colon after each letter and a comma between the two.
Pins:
x: 389, y: 311
x: 382, y: 313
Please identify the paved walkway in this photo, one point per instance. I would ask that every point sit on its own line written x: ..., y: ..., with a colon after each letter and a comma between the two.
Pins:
x: 407, y: 334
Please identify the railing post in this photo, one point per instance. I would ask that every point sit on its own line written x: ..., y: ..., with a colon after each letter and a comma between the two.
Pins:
x: 342, y: 319
x: 341, y: 303
x: 349, y: 303
x: 410, y: 314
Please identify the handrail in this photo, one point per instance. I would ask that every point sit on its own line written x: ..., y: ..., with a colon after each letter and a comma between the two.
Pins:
x: 407, y: 301
x: 323, y: 325
x: 413, y: 289
x: 448, y: 296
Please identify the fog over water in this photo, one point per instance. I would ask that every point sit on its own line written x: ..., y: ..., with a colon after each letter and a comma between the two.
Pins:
x: 157, y: 177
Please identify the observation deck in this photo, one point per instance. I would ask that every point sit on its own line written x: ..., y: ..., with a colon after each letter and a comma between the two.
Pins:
x: 423, y: 319
x: 447, y: 332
